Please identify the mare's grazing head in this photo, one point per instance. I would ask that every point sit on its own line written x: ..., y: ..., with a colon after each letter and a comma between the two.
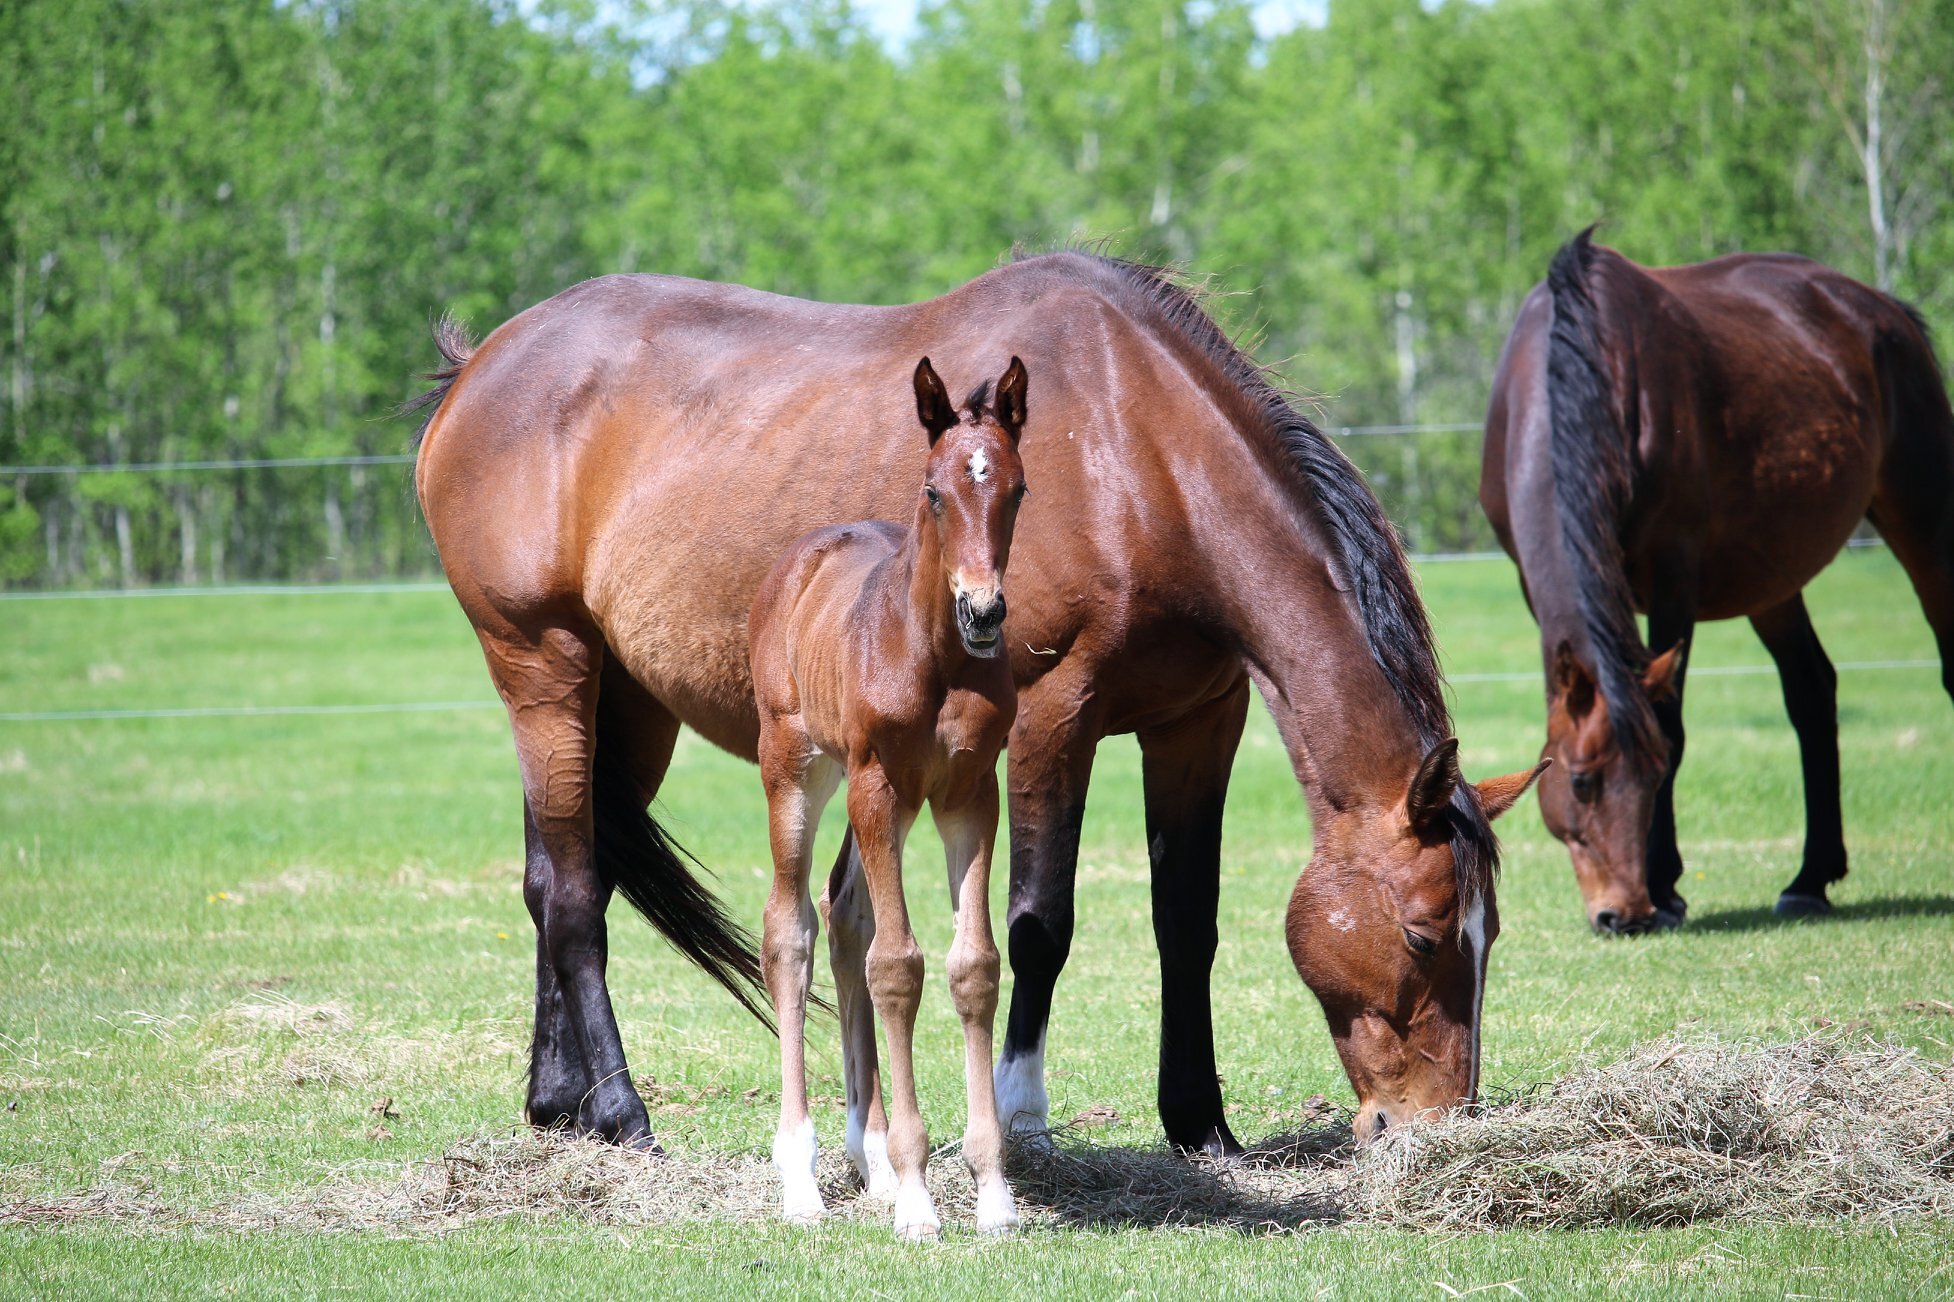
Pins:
x: 1395, y: 951
x: 972, y: 485
x: 1600, y: 797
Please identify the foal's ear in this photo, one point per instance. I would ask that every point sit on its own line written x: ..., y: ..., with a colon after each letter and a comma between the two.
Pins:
x: 1009, y: 403
x: 1572, y: 681
x: 1497, y: 795
x: 933, y: 402
x: 1432, y: 787
x: 1663, y: 678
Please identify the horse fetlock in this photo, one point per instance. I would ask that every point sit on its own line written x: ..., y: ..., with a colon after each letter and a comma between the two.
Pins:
x: 916, y: 1218
x: 997, y: 1211
x: 868, y: 1152
x: 794, y: 1152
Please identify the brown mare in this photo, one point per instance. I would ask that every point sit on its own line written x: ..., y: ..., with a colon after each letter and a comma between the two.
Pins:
x: 611, y: 473
x: 1696, y: 443
x: 878, y: 655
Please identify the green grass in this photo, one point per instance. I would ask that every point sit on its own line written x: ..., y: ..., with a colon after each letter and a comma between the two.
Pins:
x: 164, y: 877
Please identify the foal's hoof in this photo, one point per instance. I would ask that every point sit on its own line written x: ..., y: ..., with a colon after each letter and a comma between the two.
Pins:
x: 916, y: 1220
x: 1792, y: 905
x: 803, y: 1210
x: 997, y: 1212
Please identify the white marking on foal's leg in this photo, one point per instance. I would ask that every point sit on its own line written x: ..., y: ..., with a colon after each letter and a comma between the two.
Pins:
x: 870, y: 1154
x: 997, y: 1212
x: 980, y: 468
x: 1022, y: 1104
x: 793, y: 1156
x: 916, y: 1212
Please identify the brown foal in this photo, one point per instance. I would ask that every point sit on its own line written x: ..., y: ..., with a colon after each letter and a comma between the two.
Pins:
x: 877, y: 653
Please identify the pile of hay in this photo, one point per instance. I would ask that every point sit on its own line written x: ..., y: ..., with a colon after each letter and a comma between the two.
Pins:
x: 1682, y: 1131
x: 1677, y: 1131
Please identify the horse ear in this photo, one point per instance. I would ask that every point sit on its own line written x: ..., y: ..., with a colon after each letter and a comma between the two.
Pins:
x: 1497, y: 795
x: 1663, y: 678
x: 933, y: 402
x: 1009, y: 404
x: 1432, y: 787
x: 1572, y: 681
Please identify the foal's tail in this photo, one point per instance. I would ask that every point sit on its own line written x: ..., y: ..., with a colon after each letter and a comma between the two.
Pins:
x: 1592, y: 478
x: 451, y: 338
x: 637, y: 858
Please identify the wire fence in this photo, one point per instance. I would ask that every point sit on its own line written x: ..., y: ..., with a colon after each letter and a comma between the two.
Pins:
x: 284, y: 524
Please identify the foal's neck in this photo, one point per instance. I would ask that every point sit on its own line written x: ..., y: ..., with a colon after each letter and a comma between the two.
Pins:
x: 927, y: 609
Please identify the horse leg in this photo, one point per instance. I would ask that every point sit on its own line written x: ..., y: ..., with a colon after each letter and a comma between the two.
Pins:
x: 635, y: 729
x: 851, y: 929
x: 550, y: 683
x: 1811, y: 699
x: 1185, y: 770
x: 968, y: 835
x: 1914, y: 511
x: 1668, y: 624
x: 798, y: 785
x: 894, y: 970
x: 1049, y: 766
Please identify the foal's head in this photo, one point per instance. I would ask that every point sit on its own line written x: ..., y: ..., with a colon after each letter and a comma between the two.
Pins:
x: 972, y: 485
x: 1599, y: 798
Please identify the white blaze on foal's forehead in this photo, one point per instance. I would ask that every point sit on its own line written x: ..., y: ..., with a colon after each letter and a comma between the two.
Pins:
x: 980, y: 468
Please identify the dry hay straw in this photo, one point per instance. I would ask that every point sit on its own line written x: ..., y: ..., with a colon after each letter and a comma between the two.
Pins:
x: 1680, y: 1131
x: 1675, y: 1132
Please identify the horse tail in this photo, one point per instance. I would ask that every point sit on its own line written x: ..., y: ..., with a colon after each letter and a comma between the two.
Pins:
x: 1592, y: 480
x: 451, y: 338
x: 648, y: 868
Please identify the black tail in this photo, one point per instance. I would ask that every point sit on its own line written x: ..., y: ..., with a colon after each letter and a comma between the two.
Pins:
x: 1592, y: 479
x: 645, y: 866
x: 451, y: 338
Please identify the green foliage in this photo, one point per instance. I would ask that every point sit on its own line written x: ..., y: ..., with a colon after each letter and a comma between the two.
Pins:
x: 224, y: 225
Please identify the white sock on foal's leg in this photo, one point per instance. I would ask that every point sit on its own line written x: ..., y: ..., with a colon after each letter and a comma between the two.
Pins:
x: 793, y: 1156
x: 869, y: 1151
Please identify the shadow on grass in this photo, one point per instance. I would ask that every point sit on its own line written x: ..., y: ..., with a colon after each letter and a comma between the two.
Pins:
x: 1763, y: 919
x: 1286, y: 1182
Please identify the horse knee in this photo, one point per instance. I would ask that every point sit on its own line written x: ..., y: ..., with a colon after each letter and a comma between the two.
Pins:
x: 895, y: 978
x: 975, y: 973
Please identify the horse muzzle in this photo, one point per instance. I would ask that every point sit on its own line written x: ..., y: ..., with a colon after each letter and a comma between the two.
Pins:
x: 981, y: 624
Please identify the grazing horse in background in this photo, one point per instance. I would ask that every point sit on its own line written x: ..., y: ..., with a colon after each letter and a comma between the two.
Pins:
x: 611, y: 473
x: 1697, y: 443
x: 878, y: 655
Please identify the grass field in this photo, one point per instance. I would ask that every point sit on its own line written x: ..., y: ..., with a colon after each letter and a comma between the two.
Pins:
x: 223, y: 941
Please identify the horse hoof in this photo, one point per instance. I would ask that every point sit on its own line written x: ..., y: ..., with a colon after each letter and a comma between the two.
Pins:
x: 802, y: 1211
x: 919, y: 1232
x: 997, y: 1213
x: 1792, y: 905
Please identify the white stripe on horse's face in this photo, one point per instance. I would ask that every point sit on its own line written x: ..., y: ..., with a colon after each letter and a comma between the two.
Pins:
x: 980, y: 467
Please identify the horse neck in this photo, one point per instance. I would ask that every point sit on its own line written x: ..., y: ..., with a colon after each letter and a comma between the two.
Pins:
x: 1351, y: 740
x: 923, y: 602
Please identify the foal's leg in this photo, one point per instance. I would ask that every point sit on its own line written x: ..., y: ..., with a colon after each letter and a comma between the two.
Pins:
x: 799, y: 783
x: 1185, y: 768
x: 968, y: 835
x: 851, y: 928
x: 895, y: 983
x: 1811, y: 699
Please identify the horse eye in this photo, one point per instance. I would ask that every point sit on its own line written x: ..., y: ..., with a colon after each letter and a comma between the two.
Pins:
x: 1018, y: 496
x: 936, y: 499
x: 1421, y: 945
x: 1586, y: 784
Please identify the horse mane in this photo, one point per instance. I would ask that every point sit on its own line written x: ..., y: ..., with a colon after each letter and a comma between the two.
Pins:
x: 1367, y: 554
x: 451, y: 338
x: 1593, y: 473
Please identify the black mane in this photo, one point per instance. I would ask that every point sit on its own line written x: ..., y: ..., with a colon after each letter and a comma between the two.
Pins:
x: 1369, y: 560
x: 1593, y: 472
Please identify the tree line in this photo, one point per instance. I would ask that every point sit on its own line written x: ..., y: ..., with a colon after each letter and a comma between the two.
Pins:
x: 225, y: 225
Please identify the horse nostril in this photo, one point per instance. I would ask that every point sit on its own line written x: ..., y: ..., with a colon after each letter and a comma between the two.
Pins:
x: 1608, y: 920
x: 1378, y: 1125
